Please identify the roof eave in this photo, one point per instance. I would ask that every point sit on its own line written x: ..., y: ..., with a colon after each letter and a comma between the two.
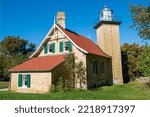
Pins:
x: 71, y: 40
x: 17, y: 71
x: 42, y: 42
x: 106, y: 56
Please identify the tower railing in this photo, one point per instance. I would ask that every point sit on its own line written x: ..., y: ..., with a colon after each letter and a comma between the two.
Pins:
x: 107, y: 18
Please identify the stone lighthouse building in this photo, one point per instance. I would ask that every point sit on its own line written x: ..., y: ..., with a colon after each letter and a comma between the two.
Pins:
x: 108, y: 39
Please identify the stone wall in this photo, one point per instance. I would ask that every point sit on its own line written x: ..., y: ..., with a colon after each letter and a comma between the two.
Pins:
x: 108, y: 39
x: 40, y: 82
x: 99, y: 79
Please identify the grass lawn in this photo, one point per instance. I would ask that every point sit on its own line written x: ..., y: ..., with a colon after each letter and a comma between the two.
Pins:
x: 4, y: 84
x: 130, y: 91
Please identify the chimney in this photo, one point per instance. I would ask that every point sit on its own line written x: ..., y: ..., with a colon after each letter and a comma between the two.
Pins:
x: 61, y: 19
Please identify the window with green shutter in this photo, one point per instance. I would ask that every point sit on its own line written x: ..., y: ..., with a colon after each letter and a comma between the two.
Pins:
x: 70, y: 45
x: 61, y: 46
x: 20, y: 80
x: 45, y: 49
x: 28, y: 80
x: 53, y: 47
x: 24, y: 80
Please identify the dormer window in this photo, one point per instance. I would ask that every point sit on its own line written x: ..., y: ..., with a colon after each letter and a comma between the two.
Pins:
x: 66, y: 46
x: 50, y: 48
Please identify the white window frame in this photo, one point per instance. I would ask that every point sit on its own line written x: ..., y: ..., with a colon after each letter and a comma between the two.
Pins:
x: 24, y: 80
x: 64, y: 48
x: 49, y: 44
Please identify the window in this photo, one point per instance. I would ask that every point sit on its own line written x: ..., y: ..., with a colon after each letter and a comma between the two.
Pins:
x: 101, y: 14
x: 50, y: 48
x: 45, y: 49
x: 94, y: 66
x: 24, y: 80
x: 66, y: 46
x: 101, y: 70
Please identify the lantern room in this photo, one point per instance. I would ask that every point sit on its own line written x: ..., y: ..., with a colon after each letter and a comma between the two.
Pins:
x: 106, y: 14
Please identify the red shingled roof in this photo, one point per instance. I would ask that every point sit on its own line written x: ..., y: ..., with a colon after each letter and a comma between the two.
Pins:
x: 45, y: 63
x: 84, y: 43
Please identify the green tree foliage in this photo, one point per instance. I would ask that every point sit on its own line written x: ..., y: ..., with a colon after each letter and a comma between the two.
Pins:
x: 130, y: 65
x: 144, y: 60
x: 80, y: 71
x: 69, y: 71
x: 15, y: 45
x: 140, y: 15
x: 68, y: 74
x: 135, y: 61
x: 13, y: 51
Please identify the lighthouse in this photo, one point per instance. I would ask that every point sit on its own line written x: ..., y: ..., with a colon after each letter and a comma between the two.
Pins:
x: 108, y: 39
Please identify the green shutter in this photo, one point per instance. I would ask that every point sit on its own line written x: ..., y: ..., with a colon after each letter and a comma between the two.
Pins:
x: 45, y: 49
x: 20, y: 80
x: 70, y: 45
x: 61, y: 46
x: 53, y: 47
x: 28, y: 80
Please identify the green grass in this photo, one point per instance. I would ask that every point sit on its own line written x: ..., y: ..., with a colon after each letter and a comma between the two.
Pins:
x: 4, y: 84
x: 131, y: 91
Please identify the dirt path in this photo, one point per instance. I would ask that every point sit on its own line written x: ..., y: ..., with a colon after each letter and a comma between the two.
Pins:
x: 5, y: 89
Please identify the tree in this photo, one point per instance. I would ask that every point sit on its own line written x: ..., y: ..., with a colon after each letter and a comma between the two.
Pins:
x: 15, y: 45
x: 140, y: 15
x: 13, y: 51
x: 69, y: 71
x: 130, y: 61
x: 80, y: 71
x: 135, y: 61
x: 67, y: 74
x: 144, y: 60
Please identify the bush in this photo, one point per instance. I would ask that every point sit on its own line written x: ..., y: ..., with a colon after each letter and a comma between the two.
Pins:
x: 147, y: 84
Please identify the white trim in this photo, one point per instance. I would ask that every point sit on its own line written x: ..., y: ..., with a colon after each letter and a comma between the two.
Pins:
x: 24, y: 77
x: 48, y: 46
x: 46, y: 37
x: 23, y: 87
x: 54, y: 36
x: 64, y: 42
x: 42, y: 42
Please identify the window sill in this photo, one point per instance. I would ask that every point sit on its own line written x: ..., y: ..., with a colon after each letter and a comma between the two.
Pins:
x: 50, y: 53
x: 94, y: 74
x: 102, y: 74
x: 23, y: 87
x: 66, y: 51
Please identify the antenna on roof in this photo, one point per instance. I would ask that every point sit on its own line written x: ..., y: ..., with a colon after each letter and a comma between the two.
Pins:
x: 54, y: 20
x: 54, y: 26
x: 89, y: 36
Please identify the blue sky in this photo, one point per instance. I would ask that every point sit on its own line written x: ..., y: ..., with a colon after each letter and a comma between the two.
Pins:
x: 32, y: 19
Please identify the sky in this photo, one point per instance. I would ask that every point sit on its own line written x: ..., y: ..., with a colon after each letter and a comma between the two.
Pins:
x: 32, y: 19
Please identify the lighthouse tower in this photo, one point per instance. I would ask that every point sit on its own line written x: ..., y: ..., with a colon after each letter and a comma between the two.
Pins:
x: 108, y: 39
